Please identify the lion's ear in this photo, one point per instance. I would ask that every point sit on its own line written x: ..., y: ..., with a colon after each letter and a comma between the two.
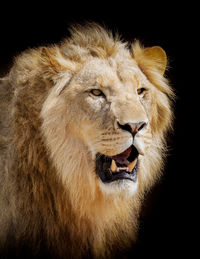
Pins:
x: 158, y: 55
x: 150, y: 58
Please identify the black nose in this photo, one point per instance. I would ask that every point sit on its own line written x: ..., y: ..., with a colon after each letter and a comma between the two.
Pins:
x: 133, y: 128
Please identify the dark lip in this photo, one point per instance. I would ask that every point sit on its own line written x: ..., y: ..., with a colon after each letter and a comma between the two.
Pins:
x: 104, y: 172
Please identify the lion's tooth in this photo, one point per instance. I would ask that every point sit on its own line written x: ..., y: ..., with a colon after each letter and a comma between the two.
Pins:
x: 132, y: 165
x: 113, y: 166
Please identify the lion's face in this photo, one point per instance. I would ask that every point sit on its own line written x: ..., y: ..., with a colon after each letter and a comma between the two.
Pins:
x: 109, y: 112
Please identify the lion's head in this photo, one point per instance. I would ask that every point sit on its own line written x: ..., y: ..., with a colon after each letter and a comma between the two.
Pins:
x: 104, y: 110
x: 105, y: 118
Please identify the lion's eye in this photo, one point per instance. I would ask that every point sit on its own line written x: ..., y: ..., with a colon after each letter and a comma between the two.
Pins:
x: 97, y: 92
x: 140, y: 91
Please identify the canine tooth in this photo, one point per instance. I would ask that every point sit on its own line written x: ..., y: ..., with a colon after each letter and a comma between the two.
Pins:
x: 113, y: 166
x: 132, y: 165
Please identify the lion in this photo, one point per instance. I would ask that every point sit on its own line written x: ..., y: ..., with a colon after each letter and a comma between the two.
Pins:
x: 83, y: 129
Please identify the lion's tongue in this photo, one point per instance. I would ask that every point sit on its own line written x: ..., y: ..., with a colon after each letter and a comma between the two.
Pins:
x: 122, y: 158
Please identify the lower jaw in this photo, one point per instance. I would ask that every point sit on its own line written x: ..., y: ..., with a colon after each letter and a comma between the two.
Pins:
x: 123, y: 176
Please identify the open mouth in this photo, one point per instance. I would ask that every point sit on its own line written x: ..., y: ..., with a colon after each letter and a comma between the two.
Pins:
x: 118, y: 167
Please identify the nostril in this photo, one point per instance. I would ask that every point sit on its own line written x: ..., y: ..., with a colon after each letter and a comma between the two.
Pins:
x: 126, y: 127
x: 143, y: 125
x: 133, y: 128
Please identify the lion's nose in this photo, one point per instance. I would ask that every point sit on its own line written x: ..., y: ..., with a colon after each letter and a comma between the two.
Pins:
x: 133, y: 128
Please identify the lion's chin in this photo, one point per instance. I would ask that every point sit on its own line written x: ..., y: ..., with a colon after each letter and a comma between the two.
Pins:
x: 123, y: 188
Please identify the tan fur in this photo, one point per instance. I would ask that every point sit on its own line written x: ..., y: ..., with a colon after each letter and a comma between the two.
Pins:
x: 52, y: 200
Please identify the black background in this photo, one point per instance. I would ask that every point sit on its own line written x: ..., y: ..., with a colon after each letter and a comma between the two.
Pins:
x: 168, y: 222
